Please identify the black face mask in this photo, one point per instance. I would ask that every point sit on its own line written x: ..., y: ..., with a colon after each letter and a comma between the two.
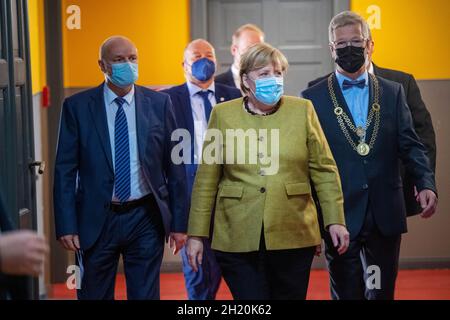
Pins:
x: 350, y: 58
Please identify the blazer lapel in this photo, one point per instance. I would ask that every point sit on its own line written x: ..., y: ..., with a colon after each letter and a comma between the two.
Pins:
x: 98, y: 113
x: 220, y: 96
x: 185, y: 99
x: 342, y: 103
x: 143, y: 121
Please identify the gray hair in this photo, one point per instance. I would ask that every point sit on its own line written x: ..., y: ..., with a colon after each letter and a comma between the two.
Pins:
x: 346, y: 18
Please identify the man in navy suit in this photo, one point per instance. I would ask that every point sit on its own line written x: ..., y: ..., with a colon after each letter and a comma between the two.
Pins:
x: 423, y: 124
x: 116, y: 190
x: 369, y: 129
x: 193, y: 102
x: 243, y: 38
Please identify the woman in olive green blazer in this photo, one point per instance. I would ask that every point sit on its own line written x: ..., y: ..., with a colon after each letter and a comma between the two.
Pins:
x: 261, y: 154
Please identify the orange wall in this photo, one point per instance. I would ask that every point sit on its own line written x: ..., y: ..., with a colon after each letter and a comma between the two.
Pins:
x: 414, y: 35
x: 160, y: 30
x: 37, y: 44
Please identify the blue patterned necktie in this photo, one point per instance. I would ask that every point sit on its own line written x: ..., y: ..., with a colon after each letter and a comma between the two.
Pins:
x: 355, y: 83
x: 206, y: 103
x: 122, y: 153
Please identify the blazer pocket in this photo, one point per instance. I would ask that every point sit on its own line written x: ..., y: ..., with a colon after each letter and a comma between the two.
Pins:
x: 299, y: 188
x: 231, y: 192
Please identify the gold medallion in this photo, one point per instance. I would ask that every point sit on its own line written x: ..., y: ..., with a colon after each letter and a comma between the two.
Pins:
x: 363, y: 149
x: 360, y: 132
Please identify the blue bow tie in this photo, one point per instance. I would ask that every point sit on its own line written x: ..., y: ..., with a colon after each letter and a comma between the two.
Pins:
x: 355, y: 83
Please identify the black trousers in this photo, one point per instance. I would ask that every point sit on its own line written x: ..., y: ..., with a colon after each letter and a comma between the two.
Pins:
x: 267, y: 274
x: 368, y: 269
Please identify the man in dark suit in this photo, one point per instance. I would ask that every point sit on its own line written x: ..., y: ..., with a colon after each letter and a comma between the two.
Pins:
x: 22, y: 253
x: 243, y: 38
x: 421, y: 120
x: 116, y: 189
x: 369, y: 129
x: 193, y: 102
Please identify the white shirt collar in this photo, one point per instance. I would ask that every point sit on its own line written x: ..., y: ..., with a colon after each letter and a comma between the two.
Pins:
x: 370, y: 69
x: 236, y: 76
x: 110, y: 96
x: 194, y: 89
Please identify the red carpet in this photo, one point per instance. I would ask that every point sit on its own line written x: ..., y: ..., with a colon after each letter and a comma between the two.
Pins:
x: 411, y: 284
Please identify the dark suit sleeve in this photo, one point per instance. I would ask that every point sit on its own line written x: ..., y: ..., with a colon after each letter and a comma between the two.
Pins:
x: 411, y: 150
x: 176, y: 176
x: 422, y: 120
x: 66, y: 170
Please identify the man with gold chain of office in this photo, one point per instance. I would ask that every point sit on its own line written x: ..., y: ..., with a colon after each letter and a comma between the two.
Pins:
x: 369, y: 129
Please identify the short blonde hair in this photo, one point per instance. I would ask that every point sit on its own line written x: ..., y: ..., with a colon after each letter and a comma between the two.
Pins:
x: 258, y: 56
x: 246, y: 27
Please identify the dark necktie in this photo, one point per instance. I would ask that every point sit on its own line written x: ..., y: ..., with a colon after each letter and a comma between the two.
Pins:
x: 206, y: 103
x: 355, y: 83
x: 122, y: 153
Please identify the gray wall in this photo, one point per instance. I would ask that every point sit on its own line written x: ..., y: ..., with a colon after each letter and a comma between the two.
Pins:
x: 428, y: 241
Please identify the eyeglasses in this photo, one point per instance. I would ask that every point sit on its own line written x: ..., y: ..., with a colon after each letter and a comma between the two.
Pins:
x: 355, y: 43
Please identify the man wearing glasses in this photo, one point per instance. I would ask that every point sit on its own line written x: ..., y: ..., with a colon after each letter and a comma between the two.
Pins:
x: 369, y: 129
x: 420, y: 115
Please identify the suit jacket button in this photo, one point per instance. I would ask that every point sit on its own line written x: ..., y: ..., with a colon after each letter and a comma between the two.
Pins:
x: 262, y: 190
x: 365, y: 186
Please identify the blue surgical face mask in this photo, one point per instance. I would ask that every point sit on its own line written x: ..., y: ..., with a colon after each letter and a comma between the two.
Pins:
x: 269, y: 90
x: 203, y: 69
x: 123, y: 74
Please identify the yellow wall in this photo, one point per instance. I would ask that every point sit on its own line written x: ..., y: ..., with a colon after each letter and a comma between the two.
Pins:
x: 37, y: 44
x: 160, y: 30
x: 414, y: 36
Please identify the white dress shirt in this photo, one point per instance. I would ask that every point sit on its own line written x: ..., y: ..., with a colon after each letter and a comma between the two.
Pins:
x: 139, y: 185
x: 198, y: 114
x: 236, y: 77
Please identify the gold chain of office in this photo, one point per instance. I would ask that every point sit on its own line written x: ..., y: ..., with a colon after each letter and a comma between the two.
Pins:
x: 344, y: 121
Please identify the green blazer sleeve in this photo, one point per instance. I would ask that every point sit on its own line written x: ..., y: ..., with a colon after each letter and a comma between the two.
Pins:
x: 324, y: 172
x: 205, y: 187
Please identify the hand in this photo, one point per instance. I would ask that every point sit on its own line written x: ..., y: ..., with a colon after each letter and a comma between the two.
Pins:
x: 340, y: 237
x: 428, y: 201
x: 177, y: 241
x: 22, y: 253
x: 194, y: 251
x: 70, y: 242
x: 318, y: 250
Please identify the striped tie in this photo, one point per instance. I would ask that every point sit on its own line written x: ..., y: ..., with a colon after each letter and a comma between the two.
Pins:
x: 206, y: 103
x: 122, y: 153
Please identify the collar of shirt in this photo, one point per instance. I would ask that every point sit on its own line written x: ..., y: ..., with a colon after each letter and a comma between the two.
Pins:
x: 194, y: 89
x: 370, y: 70
x: 236, y: 76
x: 110, y: 96
x: 340, y: 77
